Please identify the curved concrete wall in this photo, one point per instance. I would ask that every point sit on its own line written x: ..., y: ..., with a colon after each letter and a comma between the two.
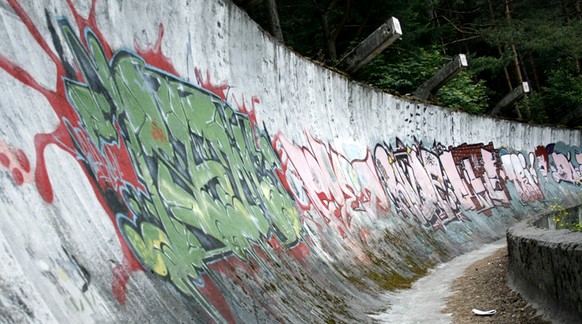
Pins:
x: 545, y: 266
x: 171, y: 162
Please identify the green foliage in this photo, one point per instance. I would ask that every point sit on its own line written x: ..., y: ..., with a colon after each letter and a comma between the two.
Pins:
x: 564, y: 86
x: 562, y: 217
x: 406, y: 75
x: 465, y: 94
x: 527, y: 40
x: 562, y: 94
x: 489, y: 63
x: 535, y: 102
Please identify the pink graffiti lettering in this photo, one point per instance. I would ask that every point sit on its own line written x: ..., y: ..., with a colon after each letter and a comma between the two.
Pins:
x: 562, y: 169
x: 517, y: 170
x: 320, y: 177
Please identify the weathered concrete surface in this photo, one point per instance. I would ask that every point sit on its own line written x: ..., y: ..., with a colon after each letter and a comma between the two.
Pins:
x: 169, y: 162
x: 545, y: 266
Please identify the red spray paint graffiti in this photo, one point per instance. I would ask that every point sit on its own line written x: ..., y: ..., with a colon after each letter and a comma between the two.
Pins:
x: 110, y: 164
x: 434, y: 185
x: 16, y: 162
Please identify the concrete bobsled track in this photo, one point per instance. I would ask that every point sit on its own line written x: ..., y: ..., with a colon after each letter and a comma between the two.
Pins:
x: 167, y: 161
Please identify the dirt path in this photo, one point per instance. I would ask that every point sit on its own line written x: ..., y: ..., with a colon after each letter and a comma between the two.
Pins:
x: 484, y: 286
x: 424, y: 301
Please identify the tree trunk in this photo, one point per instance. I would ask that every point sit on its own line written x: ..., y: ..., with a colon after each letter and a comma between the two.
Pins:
x: 273, y: 15
x: 578, y: 17
x: 499, y: 49
x: 364, y: 21
x: 535, y: 72
x: 516, y: 64
x: 512, y: 45
x: 340, y: 26
x: 328, y: 40
x: 566, y: 13
x: 330, y: 50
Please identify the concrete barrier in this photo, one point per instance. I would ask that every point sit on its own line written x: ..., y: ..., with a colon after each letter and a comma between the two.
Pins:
x: 545, y: 266
x: 167, y: 161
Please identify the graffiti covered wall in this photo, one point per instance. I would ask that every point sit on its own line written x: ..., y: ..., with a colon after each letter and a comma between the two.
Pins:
x: 173, y: 162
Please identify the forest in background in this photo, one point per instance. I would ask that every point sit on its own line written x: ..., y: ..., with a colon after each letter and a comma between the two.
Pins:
x: 507, y: 42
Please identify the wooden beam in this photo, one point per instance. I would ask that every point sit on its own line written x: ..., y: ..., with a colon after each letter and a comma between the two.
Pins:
x: 371, y: 46
x: 513, y: 96
x: 443, y: 76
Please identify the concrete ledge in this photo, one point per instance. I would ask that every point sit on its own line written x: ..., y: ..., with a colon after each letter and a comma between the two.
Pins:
x: 546, y: 267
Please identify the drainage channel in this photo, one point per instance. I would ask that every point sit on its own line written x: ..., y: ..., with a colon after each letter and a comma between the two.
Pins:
x: 423, y: 302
